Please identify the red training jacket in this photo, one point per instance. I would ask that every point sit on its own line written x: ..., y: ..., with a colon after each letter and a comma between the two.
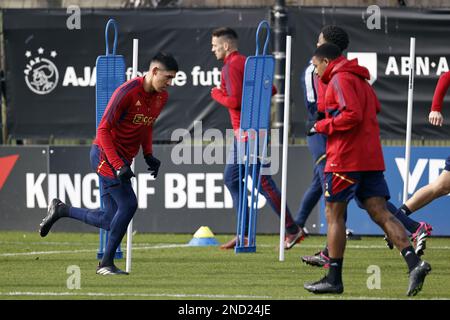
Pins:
x: 439, y: 92
x: 351, y: 123
x: 127, y: 124
x: 230, y: 92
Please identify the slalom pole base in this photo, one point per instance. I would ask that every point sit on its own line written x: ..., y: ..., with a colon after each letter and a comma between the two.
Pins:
x: 245, y: 249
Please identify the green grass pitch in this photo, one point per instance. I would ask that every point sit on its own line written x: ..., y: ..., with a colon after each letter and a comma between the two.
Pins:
x: 164, y: 268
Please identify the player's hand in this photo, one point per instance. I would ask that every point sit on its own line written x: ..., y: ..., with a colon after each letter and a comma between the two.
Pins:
x: 125, y: 173
x: 153, y: 164
x: 311, y: 127
x: 215, y: 92
x: 436, y: 118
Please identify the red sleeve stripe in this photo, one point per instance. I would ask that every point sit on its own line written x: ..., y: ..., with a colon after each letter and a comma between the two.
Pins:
x: 338, y: 90
x: 228, y: 86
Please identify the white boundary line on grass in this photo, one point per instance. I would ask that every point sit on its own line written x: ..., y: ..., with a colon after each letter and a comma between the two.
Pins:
x: 211, y: 296
x: 174, y: 245
x: 159, y: 246
x: 145, y: 295
x: 15, y: 254
x: 49, y: 243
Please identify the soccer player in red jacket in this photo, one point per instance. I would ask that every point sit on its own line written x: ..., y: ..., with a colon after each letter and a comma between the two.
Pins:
x: 126, y: 126
x: 225, y: 47
x: 355, y: 165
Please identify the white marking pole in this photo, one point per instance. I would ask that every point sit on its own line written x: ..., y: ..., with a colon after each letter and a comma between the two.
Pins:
x: 130, y: 225
x: 412, y: 58
x: 287, y: 87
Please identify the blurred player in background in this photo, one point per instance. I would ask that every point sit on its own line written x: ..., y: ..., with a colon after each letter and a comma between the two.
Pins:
x: 126, y: 125
x: 225, y: 47
x: 317, y: 143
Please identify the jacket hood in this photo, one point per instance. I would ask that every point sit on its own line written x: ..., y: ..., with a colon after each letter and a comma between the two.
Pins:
x: 341, y: 64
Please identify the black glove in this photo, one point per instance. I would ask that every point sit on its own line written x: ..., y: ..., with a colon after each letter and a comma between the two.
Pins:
x: 319, y: 115
x: 125, y: 173
x: 153, y: 164
x: 310, y: 130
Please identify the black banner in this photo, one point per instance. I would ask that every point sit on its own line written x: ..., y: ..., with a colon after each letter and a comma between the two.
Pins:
x: 380, y: 39
x: 59, y: 99
x: 188, y: 193
x: 51, y: 76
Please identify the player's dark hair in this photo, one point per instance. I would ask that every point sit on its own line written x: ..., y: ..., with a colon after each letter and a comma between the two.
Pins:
x: 167, y: 60
x: 336, y: 35
x: 225, y: 32
x: 327, y: 50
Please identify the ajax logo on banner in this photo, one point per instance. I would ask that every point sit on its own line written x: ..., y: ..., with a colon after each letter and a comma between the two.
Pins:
x: 41, y: 74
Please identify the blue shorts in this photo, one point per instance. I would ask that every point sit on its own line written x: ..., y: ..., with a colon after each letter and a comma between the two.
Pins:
x: 105, y: 182
x: 344, y: 186
x: 447, y: 164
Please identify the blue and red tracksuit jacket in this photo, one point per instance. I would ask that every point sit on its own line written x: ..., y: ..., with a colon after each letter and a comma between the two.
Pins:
x: 316, y: 143
x: 127, y: 124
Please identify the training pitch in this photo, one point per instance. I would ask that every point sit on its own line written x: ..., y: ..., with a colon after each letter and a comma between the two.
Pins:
x: 62, y: 266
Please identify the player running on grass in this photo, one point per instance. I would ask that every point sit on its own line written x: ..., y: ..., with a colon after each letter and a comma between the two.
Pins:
x: 225, y: 47
x: 355, y: 165
x: 314, y: 90
x: 126, y: 125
